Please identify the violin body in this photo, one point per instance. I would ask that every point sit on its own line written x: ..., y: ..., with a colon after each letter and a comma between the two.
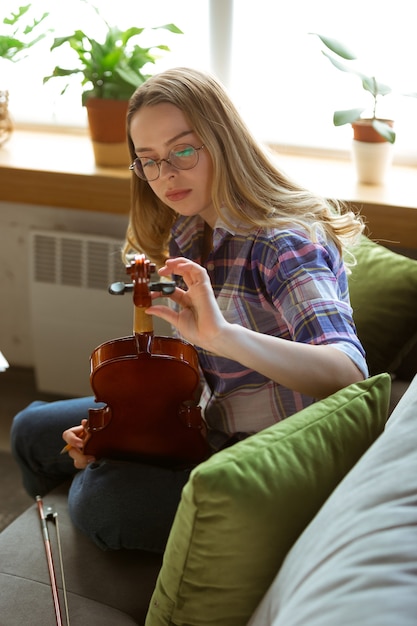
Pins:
x: 147, y: 384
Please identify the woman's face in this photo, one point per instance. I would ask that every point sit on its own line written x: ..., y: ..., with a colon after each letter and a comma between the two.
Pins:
x: 155, y: 131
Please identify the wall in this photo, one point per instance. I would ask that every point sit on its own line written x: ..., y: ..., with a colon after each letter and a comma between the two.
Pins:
x: 16, y: 220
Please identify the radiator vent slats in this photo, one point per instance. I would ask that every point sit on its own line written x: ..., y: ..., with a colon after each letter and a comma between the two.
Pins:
x: 71, y: 310
x: 70, y: 262
x: 77, y: 260
x: 44, y: 263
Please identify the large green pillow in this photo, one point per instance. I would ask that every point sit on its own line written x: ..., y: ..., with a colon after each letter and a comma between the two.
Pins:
x: 244, y: 508
x: 383, y: 294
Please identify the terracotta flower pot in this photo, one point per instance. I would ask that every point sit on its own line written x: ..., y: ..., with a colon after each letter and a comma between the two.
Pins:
x: 107, y: 126
x: 364, y: 131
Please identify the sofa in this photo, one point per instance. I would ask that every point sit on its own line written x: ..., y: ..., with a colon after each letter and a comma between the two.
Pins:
x: 311, y: 521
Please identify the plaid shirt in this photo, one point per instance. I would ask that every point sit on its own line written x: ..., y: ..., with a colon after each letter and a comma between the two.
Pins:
x: 276, y: 282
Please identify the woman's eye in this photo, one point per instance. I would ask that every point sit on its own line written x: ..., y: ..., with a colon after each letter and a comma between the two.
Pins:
x: 147, y: 162
x: 186, y: 152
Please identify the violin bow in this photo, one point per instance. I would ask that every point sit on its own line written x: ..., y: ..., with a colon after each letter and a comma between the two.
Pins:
x: 49, y: 559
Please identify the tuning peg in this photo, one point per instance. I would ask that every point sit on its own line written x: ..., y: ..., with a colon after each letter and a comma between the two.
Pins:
x: 164, y: 287
x: 120, y: 288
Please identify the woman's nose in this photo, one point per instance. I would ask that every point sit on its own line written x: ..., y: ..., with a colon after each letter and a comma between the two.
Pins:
x: 169, y: 168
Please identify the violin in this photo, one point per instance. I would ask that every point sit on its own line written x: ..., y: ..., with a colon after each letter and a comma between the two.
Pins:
x: 147, y: 384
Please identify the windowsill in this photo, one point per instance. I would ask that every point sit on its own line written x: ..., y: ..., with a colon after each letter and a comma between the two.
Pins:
x: 57, y: 169
x: 335, y: 177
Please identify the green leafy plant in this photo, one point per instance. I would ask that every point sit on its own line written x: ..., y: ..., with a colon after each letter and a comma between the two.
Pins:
x: 109, y: 69
x: 339, y: 53
x: 22, y: 32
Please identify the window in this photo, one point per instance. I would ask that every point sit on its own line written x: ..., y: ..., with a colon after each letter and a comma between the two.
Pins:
x: 284, y: 87
x: 32, y: 102
x: 289, y: 90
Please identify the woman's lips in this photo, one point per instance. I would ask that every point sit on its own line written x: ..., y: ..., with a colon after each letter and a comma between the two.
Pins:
x: 177, y: 194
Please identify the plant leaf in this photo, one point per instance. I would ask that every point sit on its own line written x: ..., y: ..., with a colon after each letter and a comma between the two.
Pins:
x: 110, y: 68
x: 346, y: 116
x: 171, y: 27
x: 375, y: 87
x: 384, y: 130
x: 340, y: 66
x: 337, y: 47
x: 14, y: 18
x: 60, y: 71
x: 13, y: 45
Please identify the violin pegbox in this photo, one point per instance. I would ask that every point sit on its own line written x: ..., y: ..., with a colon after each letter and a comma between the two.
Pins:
x: 140, y: 268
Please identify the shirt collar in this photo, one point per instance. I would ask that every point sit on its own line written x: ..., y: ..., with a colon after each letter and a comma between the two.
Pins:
x: 185, y: 228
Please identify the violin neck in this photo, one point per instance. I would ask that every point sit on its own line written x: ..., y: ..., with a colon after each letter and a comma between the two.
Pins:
x: 142, y: 328
x: 142, y: 322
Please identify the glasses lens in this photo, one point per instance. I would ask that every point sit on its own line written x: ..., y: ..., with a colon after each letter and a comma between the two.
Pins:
x: 183, y: 157
x: 147, y: 169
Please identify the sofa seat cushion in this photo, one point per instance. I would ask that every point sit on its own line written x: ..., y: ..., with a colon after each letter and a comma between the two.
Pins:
x: 25, y: 601
x: 242, y: 510
x: 356, y: 563
x: 121, y: 580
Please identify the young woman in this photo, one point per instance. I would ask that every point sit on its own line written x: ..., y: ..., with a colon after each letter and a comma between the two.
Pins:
x: 262, y: 294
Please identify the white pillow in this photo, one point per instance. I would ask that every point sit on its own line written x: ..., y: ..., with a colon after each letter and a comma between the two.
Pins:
x: 356, y: 563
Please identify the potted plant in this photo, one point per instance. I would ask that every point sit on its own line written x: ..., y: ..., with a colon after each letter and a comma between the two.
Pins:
x: 372, y: 136
x: 20, y: 31
x: 110, y: 70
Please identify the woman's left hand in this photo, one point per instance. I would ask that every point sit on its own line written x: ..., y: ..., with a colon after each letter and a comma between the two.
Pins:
x: 199, y: 319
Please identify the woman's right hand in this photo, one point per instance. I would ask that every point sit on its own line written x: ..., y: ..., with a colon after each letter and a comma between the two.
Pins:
x: 74, y: 439
x: 199, y: 319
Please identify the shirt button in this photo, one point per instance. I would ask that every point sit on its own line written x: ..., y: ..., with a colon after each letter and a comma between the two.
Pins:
x: 210, y: 266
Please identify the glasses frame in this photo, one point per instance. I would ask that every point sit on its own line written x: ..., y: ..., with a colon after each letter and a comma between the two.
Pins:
x: 134, y: 169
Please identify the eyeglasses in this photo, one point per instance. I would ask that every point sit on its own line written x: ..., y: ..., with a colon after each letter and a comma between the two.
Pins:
x: 182, y: 157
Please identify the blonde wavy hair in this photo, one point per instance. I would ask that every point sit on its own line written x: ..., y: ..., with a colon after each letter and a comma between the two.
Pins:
x: 246, y: 185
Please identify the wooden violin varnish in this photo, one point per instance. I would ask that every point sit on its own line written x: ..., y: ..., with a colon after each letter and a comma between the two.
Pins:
x: 147, y: 384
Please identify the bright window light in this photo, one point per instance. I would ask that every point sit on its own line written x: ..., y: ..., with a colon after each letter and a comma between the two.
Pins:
x: 274, y: 69
x: 289, y: 90
x: 31, y: 102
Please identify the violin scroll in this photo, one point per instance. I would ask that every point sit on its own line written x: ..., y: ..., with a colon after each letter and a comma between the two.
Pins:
x: 140, y: 270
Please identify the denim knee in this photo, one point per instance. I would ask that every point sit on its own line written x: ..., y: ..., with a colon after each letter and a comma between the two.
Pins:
x: 22, y: 426
x: 36, y: 441
x: 126, y: 505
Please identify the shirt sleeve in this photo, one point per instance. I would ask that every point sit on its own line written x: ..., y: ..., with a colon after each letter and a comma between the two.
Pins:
x: 307, y: 283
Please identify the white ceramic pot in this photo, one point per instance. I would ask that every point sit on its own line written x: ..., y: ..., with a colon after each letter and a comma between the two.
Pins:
x: 372, y: 161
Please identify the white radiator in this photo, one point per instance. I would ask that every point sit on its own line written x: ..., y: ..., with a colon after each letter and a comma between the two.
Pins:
x: 71, y: 310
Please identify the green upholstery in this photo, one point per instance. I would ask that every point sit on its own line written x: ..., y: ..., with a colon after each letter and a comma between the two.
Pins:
x: 383, y: 293
x: 244, y: 508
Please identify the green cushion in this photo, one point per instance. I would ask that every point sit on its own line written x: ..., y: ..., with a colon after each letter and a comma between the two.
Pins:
x: 383, y: 293
x: 244, y: 508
